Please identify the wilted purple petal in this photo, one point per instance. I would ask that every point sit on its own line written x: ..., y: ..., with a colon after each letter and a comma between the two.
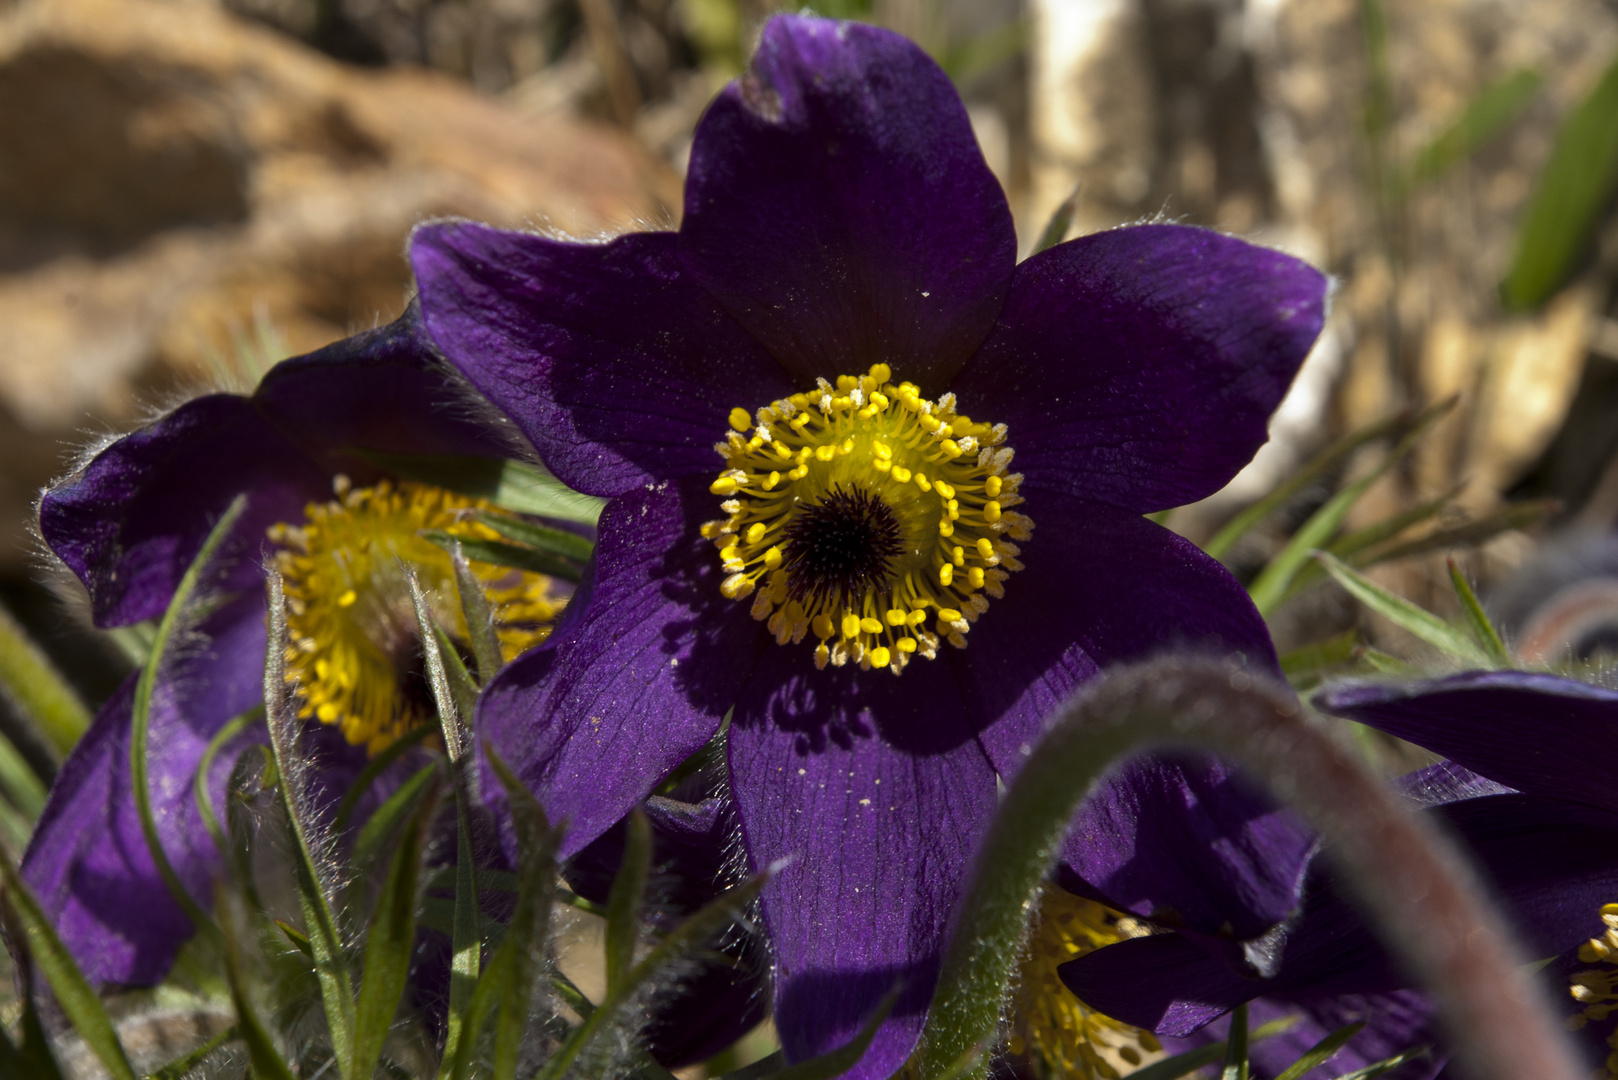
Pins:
x: 608, y: 356
x: 88, y: 860
x: 637, y: 676
x: 1538, y: 733
x: 875, y: 794
x: 838, y: 206
x: 1139, y: 367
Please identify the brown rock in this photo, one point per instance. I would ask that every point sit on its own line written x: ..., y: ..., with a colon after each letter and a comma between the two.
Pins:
x: 182, y: 192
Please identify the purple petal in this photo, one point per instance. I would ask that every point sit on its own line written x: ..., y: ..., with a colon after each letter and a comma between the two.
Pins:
x: 838, y: 206
x: 615, y: 364
x: 637, y: 676
x: 1541, y: 734
x: 130, y: 522
x: 1140, y: 366
x: 1103, y: 586
x: 88, y: 861
x: 874, y: 793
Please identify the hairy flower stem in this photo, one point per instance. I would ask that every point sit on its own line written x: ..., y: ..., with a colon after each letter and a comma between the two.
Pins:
x: 1411, y: 881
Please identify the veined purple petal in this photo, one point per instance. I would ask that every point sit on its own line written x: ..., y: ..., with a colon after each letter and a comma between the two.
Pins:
x: 838, y: 206
x: 88, y: 860
x: 615, y: 364
x: 638, y: 675
x: 873, y: 792
x: 1139, y: 367
x: 1538, y: 733
x: 132, y: 520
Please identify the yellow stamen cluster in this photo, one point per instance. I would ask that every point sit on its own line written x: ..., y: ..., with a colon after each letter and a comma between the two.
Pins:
x: 354, y: 648
x: 1055, y: 1031
x: 939, y: 481
x: 1597, y: 988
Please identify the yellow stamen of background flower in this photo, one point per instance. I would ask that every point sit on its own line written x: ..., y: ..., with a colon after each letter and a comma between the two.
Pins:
x: 1597, y: 988
x: 1057, y: 1032
x: 862, y: 513
x: 354, y: 649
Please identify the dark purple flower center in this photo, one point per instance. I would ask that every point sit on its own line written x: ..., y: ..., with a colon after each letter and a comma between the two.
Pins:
x: 840, y: 547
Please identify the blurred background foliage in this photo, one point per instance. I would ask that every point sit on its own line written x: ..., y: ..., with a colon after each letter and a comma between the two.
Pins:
x: 193, y: 189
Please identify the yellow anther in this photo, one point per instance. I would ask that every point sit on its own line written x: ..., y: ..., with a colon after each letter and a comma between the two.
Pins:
x: 725, y: 485
x: 755, y: 533
x: 870, y: 625
x: 847, y: 382
x: 881, y: 465
x: 880, y: 400
x: 730, y: 554
x: 985, y: 547
x: 772, y: 559
x: 880, y: 657
x: 710, y: 529
x: 851, y: 625
x: 905, y: 645
x: 974, y: 577
x: 848, y: 446
x: 948, y: 615
x: 882, y: 449
x: 991, y: 486
x: 771, y: 481
x: 945, y: 489
x: 895, y: 616
x: 901, y: 474
x: 946, y: 527
x: 736, y: 586
x: 928, y: 422
x: 991, y: 512
x: 917, y: 617
x: 922, y: 482
x: 946, y: 574
x: 957, y: 555
x: 740, y: 419
x: 825, y: 453
x: 821, y: 625
x: 881, y: 373
x: 348, y: 598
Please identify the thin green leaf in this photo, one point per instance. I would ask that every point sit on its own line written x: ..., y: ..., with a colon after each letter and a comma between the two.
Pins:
x: 373, y: 769
x: 1385, y: 664
x: 141, y: 718
x: 1322, y: 1051
x: 478, y: 615
x: 514, y: 485
x: 1318, y: 466
x: 1402, y: 613
x: 38, y: 1059
x: 1516, y: 516
x: 19, y: 781
x: 389, y: 944
x: 1495, y: 106
x: 1387, y: 1064
x: 542, y: 537
x: 1172, y: 1068
x: 1236, y: 1045
x: 36, y: 689
x: 308, y: 850
x: 572, y: 996
x: 466, y: 942
x: 268, y: 1064
x: 1482, y: 629
x: 379, y: 826
x: 500, y: 553
x: 1311, y: 659
x: 682, y: 941
x: 1061, y: 222
x: 627, y: 895
x: 183, y: 1064
x: 573, y: 899
x: 1350, y: 546
x: 462, y: 688
x: 199, y: 782
x: 74, y: 994
x: 1560, y: 222
x: 298, y: 938
x: 1270, y: 587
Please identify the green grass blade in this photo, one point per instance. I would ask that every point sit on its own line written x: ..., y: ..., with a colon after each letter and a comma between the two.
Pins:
x: 141, y: 719
x: 74, y: 994
x: 1517, y: 516
x: 1236, y: 1045
x: 544, y: 538
x: 38, y: 691
x: 513, y: 485
x: 1387, y: 1064
x: 1495, y: 106
x: 1060, y: 224
x: 1350, y: 546
x: 20, y: 783
x: 308, y: 850
x: 1318, y: 1054
x: 500, y: 553
x: 1317, y: 466
x: 389, y: 944
x: 1482, y: 629
x: 183, y: 1064
x: 1304, y: 662
x: 1565, y: 209
x: 373, y: 769
x: 478, y: 615
x: 1172, y: 1068
x: 626, y: 898
x: 379, y: 826
x: 267, y: 1062
x: 36, y: 1053
x: 199, y: 783
x: 1402, y: 613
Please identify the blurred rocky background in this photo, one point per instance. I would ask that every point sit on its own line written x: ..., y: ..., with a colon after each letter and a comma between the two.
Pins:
x: 192, y: 189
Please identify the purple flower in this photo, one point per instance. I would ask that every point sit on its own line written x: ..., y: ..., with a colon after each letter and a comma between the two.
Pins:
x: 130, y: 521
x: 840, y: 225
x: 1525, y: 794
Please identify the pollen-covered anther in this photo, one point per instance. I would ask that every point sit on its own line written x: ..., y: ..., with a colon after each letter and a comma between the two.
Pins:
x: 353, y: 648
x: 863, y: 514
x: 1597, y: 988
